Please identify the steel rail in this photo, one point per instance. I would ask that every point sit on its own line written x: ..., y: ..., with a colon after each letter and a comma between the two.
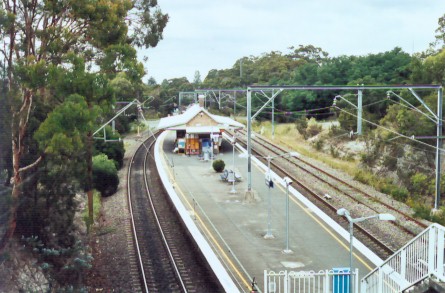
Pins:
x: 358, y: 190
x: 385, y: 250
x: 155, y: 214
x: 133, y: 226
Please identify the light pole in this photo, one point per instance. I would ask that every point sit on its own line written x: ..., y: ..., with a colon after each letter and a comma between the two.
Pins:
x: 288, y: 182
x: 233, y: 191
x: 358, y: 107
x: 346, y: 214
x: 269, y: 184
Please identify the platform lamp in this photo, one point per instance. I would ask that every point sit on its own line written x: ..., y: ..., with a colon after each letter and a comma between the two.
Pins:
x: 233, y: 191
x: 344, y: 212
x: 288, y: 182
x: 269, y: 183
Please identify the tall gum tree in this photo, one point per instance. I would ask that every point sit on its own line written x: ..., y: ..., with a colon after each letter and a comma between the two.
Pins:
x: 35, y: 35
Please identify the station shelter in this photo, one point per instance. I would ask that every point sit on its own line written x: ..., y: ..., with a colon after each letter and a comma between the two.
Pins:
x: 198, y: 132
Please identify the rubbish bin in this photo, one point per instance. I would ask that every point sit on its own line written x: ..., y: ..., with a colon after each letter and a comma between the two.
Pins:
x: 340, y: 280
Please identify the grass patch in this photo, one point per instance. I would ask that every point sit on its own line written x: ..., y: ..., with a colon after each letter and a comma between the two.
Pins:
x: 106, y: 230
x: 286, y: 134
x: 134, y: 127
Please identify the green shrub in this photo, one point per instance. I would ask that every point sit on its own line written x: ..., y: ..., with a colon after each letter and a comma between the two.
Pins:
x: 420, y: 183
x: 399, y: 193
x: 318, y: 144
x: 363, y: 177
x: 439, y: 217
x: 349, y: 157
x: 219, y: 165
x: 313, y: 128
x: 384, y: 187
x: 113, y: 149
x: 335, y: 130
x: 105, y: 177
x: 301, y: 125
x: 334, y: 152
x: 389, y: 162
x: 422, y: 211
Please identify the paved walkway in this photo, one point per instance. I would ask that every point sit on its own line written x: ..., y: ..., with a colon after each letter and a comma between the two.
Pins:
x: 235, y: 227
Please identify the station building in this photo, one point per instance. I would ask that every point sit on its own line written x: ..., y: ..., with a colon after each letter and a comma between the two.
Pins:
x: 197, y: 130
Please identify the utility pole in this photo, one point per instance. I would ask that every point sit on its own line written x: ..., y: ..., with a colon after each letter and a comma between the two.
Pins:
x: 438, y: 146
x: 249, y: 133
x: 273, y: 117
x: 359, y: 112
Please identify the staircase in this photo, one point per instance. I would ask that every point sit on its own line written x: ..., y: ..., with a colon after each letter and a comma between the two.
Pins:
x: 418, y: 260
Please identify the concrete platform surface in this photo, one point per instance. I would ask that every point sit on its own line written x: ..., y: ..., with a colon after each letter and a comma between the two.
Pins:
x: 235, y: 226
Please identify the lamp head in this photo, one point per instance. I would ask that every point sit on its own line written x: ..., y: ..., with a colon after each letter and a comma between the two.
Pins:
x: 386, y: 217
x: 287, y: 180
x: 342, y: 212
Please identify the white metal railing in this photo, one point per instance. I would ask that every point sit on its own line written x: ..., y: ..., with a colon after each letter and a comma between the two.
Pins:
x: 419, y: 259
x: 328, y: 281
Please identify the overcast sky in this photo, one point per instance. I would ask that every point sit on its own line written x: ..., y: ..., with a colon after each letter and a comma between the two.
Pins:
x: 212, y: 34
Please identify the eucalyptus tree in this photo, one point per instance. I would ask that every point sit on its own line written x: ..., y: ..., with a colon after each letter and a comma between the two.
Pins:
x: 36, y: 37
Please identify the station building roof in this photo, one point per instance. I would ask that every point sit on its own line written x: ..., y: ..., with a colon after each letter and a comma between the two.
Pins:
x: 198, y: 120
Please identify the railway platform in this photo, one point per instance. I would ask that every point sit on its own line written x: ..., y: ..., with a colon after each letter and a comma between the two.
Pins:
x: 235, y: 225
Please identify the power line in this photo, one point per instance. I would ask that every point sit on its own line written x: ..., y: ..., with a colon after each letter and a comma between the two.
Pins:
x: 392, y: 131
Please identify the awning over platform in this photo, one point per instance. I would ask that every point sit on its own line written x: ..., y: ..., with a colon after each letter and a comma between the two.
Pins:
x: 202, y: 129
x: 178, y: 122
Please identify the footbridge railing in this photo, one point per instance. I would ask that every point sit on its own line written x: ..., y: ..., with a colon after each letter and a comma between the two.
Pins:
x: 419, y: 259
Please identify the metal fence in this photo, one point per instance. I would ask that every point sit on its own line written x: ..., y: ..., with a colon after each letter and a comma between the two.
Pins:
x: 419, y: 259
x: 328, y: 281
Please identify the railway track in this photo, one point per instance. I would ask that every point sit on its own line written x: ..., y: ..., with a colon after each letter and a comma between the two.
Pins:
x: 383, y: 244
x: 167, y: 258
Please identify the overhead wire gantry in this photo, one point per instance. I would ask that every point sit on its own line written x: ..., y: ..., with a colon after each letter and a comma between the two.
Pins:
x: 276, y: 90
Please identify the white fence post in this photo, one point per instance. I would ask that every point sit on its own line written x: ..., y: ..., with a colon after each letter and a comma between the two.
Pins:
x: 403, y: 263
x: 286, y: 282
x: 380, y: 281
x: 326, y: 282
x: 266, y: 283
x: 440, y: 252
x: 431, y: 250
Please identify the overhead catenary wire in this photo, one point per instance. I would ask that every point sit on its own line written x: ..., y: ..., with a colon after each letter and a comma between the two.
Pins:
x: 392, y: 131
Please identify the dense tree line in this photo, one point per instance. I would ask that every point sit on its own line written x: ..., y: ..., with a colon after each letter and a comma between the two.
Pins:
x: 62, y: 66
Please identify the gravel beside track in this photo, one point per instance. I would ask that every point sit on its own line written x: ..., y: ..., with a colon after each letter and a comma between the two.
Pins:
x: 111, y: 242
x: 115, y: 267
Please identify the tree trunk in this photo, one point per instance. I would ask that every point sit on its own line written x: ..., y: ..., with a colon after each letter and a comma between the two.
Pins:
x: 90, y: 176
x: 12, y: 220
x: 19, y: 124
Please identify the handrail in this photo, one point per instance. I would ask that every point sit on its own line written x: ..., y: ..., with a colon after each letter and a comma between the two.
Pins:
x: 417, y: 260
